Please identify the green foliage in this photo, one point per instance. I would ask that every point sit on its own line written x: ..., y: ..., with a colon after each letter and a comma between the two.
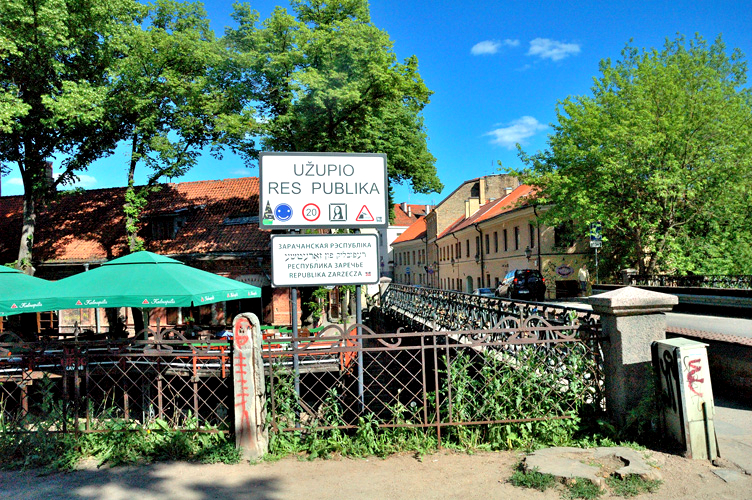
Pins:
x: 483, y: 387
x: 632, y: 485
x: 177, y: 95
x: 54, y: 97
x: 532, y: 479
x: 661, y: 154
x: 582, y: 488
x: 33, y: 443
x: 326, y: 79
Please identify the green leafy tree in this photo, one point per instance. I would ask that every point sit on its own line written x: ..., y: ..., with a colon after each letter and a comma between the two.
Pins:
x: 661, y: 154
x: 54, y: 56
x: 177, y: 97
x: 327, y: 79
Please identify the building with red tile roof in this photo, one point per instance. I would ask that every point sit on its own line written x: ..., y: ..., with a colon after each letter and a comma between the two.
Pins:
x: 212, y: 225
x: 474, y: 242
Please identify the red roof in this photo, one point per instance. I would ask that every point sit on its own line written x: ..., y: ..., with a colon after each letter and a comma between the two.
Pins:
x: 90, y: 226
x: 416, y: 231
x: 402, y: 218
x: 490, y: 210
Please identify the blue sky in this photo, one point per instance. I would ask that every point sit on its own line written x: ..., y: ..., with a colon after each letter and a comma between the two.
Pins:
x: 497, y: 69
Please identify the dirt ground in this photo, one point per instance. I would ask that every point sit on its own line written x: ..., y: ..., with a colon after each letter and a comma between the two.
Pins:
x: 444, y: 475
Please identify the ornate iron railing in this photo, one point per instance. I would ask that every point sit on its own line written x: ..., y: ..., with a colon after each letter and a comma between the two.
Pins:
x: 449, y: 310
x: 97, y: 386
x: 742, y: 282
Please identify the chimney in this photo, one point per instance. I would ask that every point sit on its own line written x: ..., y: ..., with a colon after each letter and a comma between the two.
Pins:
x: 409, y: 211
x: 482, y: 193
x: 48, y: 174
x: 403, y: 206
x: 428, y: 209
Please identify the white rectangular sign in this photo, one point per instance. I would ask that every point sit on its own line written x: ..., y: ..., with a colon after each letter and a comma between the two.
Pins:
x: 324, y: 259
x: 326, y: 190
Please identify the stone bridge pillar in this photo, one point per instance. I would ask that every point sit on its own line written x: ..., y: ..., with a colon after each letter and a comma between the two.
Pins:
x: 632, y: 319
x: 249, y: 387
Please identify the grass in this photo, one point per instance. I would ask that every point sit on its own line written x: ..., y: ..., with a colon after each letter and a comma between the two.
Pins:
x: 532, y: 479
x: 632, y: 485
x: 582, y: 488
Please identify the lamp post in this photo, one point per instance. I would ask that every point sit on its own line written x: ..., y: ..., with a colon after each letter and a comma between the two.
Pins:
x: 528, y: 254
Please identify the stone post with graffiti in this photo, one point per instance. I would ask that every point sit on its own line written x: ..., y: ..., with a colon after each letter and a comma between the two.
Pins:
x: 632, y: 319
x: 248, y: 373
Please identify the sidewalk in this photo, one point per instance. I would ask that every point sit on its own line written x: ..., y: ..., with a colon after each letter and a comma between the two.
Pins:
x: 733, y: 427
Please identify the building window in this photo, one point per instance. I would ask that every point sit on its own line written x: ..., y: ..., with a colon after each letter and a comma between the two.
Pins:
x: 488, y: 244
x: 532, y: 235
x: 516, y: 237
x: 488, y: 280
x: 506, y: 241
x: 477, y: 246
x: 496, y: 242
x: 467, y: 248
x: 479, y: 282
x: 496, y: 284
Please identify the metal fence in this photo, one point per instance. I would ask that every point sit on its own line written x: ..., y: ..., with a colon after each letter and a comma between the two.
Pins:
x: 742, y: 282
x: 435, y: 309
x: 96, y: 386
x: 531, y: 370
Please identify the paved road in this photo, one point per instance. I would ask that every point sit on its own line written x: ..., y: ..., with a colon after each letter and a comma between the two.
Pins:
x: 733, y: 427
x: 716, y: 324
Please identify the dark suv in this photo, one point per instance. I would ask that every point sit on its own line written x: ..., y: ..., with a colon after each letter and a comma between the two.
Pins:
x: 526, y: 284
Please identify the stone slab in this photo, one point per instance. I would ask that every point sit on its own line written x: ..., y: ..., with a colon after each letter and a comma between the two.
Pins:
x: 566, y: 463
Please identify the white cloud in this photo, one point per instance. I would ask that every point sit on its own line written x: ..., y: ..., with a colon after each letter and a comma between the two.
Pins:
x: 546, y: 48
x: 487, y: 47
x: 14, y: 181
x: 84, y: 181
x: 516, y: 131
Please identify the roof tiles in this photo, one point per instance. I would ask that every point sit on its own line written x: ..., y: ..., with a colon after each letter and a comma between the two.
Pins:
x: 90, y: 226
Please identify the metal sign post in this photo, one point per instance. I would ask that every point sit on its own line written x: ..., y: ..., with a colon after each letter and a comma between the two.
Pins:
x: 596, y: 240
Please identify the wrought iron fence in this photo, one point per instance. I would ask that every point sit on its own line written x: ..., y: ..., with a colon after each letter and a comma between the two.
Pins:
x: 742, y: 282
x: 530, y: 370
x: 96, y: 386
x: 432, y: 308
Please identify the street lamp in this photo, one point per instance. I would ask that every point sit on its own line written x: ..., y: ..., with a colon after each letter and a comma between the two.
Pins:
x: 528, y: 253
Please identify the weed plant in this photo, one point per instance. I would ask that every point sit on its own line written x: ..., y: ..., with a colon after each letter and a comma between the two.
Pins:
x: 532, y: 479
x: 632, y: 485
x: 34, y: 441
x: 533, y: 382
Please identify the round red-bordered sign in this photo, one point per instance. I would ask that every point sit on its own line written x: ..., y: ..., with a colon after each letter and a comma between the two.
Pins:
x: 311, y: 212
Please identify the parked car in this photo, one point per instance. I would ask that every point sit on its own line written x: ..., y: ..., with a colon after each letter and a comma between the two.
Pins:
x: 526, y: 284
x: 484, y: 292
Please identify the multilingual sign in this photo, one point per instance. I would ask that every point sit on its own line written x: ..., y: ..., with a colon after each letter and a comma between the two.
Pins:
x: 324, y: 259
x: 322, y: 190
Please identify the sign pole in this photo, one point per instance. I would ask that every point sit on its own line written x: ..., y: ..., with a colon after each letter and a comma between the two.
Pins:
x: 295, y: 357
x: 596, y: 265
x: 359, y: 321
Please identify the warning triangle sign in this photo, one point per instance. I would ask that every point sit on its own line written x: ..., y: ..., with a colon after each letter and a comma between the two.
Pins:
x: 79, y: 303
x: 145, y: 302
x: 364, y: 215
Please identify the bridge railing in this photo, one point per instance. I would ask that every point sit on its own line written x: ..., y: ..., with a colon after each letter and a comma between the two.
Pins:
x: 741, y: 281
x: 450, y: 310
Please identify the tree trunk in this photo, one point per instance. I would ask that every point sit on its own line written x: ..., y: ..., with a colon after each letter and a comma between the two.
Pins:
x: 131, y: 209
x: 27, y: 233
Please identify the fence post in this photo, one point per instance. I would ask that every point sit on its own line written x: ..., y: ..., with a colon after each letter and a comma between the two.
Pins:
x: 632, y: 319
x: 249, y: 387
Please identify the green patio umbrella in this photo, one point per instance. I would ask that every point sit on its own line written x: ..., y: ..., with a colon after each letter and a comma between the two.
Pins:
x: 21, y: 293
x: 147, y: 280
